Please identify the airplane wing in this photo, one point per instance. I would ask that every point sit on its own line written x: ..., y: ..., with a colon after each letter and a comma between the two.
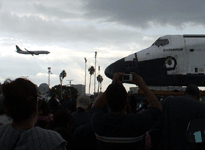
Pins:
x: 32, y: 53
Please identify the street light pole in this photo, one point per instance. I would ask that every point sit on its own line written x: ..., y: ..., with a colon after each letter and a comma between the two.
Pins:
x: 95, y: 71
x: 49, y: 73
x: 85, y: 72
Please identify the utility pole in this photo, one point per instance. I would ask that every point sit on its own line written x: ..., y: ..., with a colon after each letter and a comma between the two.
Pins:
x: 49, y: 73
x: 85, y: 73
x: 70, y: 81
x: 95, y: 71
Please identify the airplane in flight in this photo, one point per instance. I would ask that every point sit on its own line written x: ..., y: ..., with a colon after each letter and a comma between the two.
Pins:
x: 172, y: 60
x: 18, y: 50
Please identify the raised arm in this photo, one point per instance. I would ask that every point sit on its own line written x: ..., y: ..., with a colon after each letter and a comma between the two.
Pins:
x: 151, y: 98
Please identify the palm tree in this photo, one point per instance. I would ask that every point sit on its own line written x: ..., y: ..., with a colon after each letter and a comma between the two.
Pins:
x: 99, y: 79
x: 91, y: 71
x: 62, y: 76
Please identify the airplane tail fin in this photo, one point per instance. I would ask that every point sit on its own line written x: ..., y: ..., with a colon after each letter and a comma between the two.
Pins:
x: 18, y: 49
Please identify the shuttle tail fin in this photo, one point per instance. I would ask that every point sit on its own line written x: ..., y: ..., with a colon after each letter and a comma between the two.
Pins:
x: 18, y: 49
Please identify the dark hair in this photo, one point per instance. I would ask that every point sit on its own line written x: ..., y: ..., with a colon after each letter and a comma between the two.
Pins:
x: 116, y: 96
x: 192, y: 90
x: 20, y: 98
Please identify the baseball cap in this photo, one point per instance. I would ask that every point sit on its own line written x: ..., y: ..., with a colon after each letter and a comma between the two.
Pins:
x: 83, y: 102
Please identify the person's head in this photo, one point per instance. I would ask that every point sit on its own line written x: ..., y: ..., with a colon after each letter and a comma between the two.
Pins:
x: 193, y: 91
x: 83, y: 102
x: 20, y: 99
x: 116, y: 95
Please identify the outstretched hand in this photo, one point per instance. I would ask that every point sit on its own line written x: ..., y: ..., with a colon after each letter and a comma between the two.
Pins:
x: 137, y: 80
x: 117, y: 76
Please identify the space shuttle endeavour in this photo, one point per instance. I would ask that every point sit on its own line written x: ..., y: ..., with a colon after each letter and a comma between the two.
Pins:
x: 172, y: 60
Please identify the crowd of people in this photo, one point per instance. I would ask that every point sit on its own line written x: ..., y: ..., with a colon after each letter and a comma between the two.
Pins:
x: 111, y: 122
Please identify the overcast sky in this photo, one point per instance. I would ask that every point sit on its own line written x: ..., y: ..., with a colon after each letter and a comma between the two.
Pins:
x: 72, y: 30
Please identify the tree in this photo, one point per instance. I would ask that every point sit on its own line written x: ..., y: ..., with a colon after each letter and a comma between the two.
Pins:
x: 66, y: 90
x: 62, y: 76
x: 99, y: 79
x: 91, y: 72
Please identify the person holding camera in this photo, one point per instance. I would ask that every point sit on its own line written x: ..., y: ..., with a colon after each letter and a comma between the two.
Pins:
x: 117, y: 128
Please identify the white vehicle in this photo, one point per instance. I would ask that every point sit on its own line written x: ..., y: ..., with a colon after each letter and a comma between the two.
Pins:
x: 18, y: 50
x: 172, y: 60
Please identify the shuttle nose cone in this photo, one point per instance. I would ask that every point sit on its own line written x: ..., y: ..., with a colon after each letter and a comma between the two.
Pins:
x: 121, y: 66
x: 114, y: 67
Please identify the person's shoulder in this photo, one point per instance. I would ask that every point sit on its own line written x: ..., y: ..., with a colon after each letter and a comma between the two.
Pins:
x: 97, y: 113
x: 46, y: 134
x: 6, y: 126
x: 42, y: 138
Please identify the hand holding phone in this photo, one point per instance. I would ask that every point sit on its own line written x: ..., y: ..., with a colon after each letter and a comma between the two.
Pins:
x: 137, y: 80
x: 126, y: 77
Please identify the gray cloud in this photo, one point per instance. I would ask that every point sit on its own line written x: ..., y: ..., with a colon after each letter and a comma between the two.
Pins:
x: 139, y: 13
x: 33, y: 28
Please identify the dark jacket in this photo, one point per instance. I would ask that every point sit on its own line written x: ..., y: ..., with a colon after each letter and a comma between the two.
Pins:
x: 80, y: 117
x: 69, y: 105
x: 173, y: 122
x: 84, y: 135
x: 54, y: 105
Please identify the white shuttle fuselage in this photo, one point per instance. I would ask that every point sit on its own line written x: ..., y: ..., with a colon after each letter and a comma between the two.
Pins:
x: 170, y: 60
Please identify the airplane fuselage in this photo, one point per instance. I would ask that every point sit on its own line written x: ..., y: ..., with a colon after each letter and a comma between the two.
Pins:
x: 173, y: 60
x: 34, y: 52
x: 18, y: 50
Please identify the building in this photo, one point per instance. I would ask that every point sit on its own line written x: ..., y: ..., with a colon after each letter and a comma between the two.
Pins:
x: 80, y: 88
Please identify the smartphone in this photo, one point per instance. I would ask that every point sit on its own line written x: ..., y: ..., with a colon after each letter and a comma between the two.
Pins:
x: 127, y: 77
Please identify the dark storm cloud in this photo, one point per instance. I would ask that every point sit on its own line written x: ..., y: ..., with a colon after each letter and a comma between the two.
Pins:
x: 140, y: 13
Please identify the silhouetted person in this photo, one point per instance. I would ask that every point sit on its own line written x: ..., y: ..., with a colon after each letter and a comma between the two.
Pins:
x: 3, y: 118
x: 118, y: 129
x: 44, y: 114
x: 81, y: 115
x: 65, y: 103
x: 20, y: 103
x: 85, y: 135
x: 169, y: 132
x: 54, y: 104
x: 70, y: 103
x: 132, y: 102
x: 63, y: 123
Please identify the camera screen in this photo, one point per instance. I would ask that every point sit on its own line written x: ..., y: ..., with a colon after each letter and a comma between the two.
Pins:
x: 126, y: 77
